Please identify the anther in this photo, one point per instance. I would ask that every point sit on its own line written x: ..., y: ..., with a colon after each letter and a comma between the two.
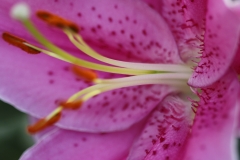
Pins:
x: 57, y: 21
x: 43, y: 123
x: 71, y: 105
x: 86, y: 74
x: 18, y: 42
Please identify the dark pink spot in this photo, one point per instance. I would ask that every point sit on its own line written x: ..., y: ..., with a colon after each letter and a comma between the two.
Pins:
x: 113, y: 33
x: 122, y: 31
x: 75, y: 145
x: 110, y: 19
x: 154, y: 153
x: 131, y: 36
x: 93, y: 30
x: 99, y: 26
x: 66, y: 68
x: 144, y: 32
x: 165, y: 146
x: 125, y: 106
x: 162, y: 139
x: 79, y: 14
x: 51, y: 81
x: 50, y: 73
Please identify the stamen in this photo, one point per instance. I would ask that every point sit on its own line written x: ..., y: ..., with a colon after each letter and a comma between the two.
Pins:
x: 77, y: 61
x: 46, y: 52
x: 86, y: 74
x: 178, y: 84
x: 162, y: 76
x: 43, y: 123
x: 76, y: 102
x: 18, y: 42
x: 83, y: 46
x: 57, y: 21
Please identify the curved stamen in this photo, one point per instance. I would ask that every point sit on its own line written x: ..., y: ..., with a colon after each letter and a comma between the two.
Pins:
x: 83, y: 46
x: 77, y: 61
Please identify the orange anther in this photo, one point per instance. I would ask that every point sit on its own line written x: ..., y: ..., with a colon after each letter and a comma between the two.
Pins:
x: 86, y: 74
x: 72, y: 105
x: 43, y: 123
x: 39, y: 125
x: 18, y: 42
x: 57, y: 21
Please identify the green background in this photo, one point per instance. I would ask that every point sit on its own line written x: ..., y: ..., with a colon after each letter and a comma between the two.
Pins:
x: 14, y: 139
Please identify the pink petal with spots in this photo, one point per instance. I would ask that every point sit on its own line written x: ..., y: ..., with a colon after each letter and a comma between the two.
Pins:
x: 220, y: 45
x: 64, y: 144
x: 129, y: 30
x: 35, y: 83
x: 186, y: 21
x: 214, y: 129
x: 165, y: 133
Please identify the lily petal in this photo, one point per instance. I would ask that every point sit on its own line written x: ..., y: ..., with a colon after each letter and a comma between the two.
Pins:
x: 186, y: 21
x: 129, y: 30
x: 64, y: 144
x: 165, y: 133
x: 220, y: 45
x: 214, y: 128
x: 34, y: 84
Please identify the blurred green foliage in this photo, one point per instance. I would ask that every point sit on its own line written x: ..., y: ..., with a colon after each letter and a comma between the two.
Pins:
x: 14, y: 139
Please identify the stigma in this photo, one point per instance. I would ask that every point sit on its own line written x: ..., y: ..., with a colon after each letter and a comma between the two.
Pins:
x: 175, y: 75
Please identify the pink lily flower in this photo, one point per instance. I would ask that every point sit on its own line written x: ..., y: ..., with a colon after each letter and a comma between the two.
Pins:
x: 142, y: 116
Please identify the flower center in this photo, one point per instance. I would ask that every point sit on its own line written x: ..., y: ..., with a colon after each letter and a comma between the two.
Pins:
x: 139, y: 73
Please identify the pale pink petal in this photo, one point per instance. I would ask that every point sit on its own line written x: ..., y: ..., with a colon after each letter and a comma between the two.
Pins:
x: 64, y: 145
x: 214, y: 129
x: 220, y: 44
x: 165, y: 133
x: 186, y: 21
x: 35, y: 83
